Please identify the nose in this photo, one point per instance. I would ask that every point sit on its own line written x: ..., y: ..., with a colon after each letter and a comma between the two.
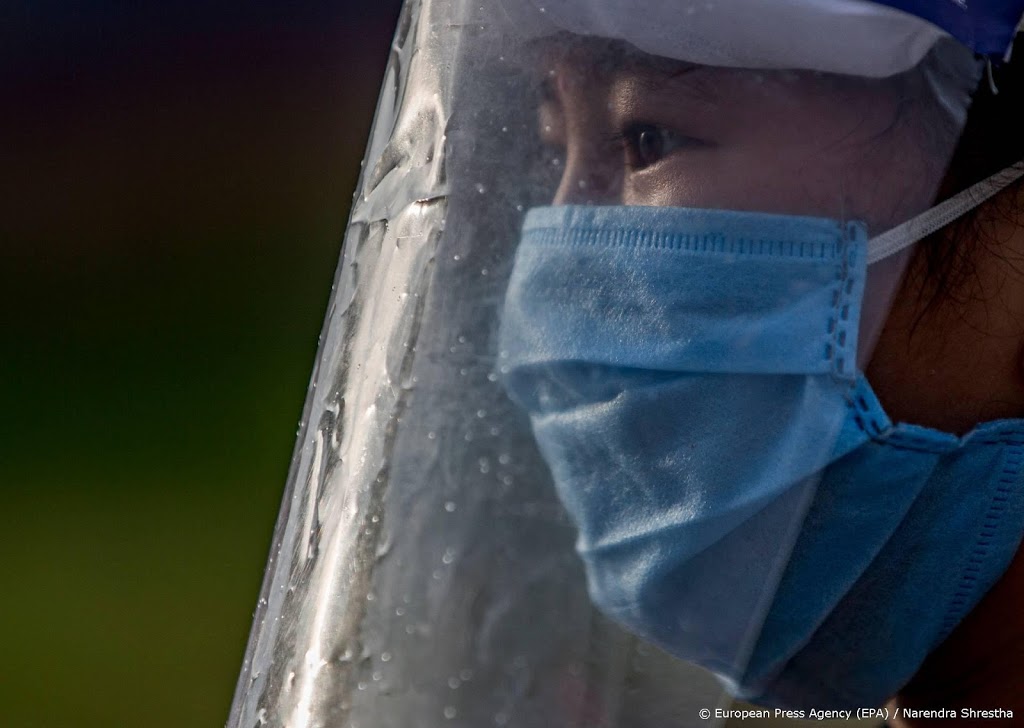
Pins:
x: 590, y: 179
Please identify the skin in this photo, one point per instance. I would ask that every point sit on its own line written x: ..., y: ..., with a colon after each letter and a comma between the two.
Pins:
x: 813, y: 144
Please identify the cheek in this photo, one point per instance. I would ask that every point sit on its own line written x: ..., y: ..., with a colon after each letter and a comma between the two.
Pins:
x: 890, y: 186
x: 750, y: 177
x: 868, y: 165
x: 880, y: 290
x: 799, y: 170
x: 676, y: 184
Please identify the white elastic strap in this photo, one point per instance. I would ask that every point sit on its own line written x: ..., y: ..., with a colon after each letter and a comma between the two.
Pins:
x: 917, y: 228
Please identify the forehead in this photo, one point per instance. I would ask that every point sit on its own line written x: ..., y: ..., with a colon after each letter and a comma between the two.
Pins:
x: 574, y: 64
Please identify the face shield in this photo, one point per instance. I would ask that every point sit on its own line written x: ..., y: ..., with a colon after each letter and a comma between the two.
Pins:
x: 589, y: 440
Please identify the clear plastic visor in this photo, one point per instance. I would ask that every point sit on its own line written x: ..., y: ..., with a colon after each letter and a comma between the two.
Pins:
x: 598, y: 325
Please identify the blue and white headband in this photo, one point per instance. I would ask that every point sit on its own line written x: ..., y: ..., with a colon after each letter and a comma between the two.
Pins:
x: 855, y: 37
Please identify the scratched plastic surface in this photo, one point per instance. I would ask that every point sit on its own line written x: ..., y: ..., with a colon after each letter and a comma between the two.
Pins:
x: 423, y: 571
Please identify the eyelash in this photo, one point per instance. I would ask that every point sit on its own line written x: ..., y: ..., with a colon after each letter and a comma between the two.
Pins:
x: 629, y: 140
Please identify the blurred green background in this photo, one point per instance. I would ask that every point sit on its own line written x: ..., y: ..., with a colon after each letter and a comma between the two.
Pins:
x: 175, y: 182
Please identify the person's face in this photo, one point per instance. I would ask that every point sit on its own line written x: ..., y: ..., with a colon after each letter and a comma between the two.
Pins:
x: 635, y: 130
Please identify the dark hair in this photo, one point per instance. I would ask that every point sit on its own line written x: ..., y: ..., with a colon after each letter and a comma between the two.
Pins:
x: 992, y: 139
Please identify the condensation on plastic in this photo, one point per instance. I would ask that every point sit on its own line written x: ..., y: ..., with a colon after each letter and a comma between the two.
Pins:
x: 422, y: 571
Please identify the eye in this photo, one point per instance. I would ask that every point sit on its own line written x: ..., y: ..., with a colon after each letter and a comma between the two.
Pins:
x: 647, y: 144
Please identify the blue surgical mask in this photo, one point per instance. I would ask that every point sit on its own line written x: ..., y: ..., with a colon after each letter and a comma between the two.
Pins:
x: 742, y: 499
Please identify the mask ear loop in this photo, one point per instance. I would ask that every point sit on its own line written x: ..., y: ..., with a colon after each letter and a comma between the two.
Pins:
x: 917, y: 228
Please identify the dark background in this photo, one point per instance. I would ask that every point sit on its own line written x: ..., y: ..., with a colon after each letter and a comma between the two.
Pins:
x: 174, y: 183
